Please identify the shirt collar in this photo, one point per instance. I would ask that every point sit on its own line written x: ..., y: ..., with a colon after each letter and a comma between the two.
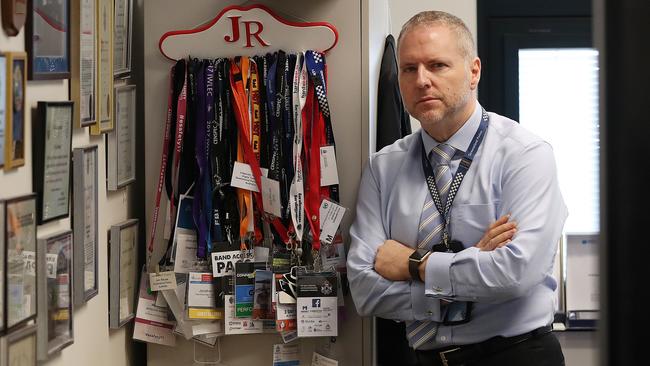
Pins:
x: 462, y: 138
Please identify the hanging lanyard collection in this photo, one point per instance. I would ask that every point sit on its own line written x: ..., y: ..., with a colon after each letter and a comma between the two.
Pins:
x: 267, y: 112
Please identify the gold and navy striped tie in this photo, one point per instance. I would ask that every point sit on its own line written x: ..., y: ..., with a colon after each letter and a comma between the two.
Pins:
x: 420, y: 332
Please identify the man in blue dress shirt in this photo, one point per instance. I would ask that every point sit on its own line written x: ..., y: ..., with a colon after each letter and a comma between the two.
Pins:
x: 479, y: 290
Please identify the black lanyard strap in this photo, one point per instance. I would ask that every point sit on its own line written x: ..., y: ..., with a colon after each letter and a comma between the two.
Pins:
x: 463, y: 167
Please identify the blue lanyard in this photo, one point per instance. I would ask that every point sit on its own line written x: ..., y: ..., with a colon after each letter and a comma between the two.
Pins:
x: 463, y: 167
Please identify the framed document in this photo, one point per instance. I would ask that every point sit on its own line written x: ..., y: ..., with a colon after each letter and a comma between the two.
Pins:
x: 20, y: 347
x: 54, y: 294
x: 3, y: 106
x: 123, y: 270
x: 2, y: 267
x: 85, y: 221
x: 51, y: 168
x: 121, y: 141
x: 83, y: 61
x: 47, y: 39
x: 105, y: 68
x: 13, y: 16
x: 15, y: 109
x: 122, y: 38
x: 20, y: 260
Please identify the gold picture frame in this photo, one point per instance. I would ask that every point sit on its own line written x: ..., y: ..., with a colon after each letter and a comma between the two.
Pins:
x: 105, y: 14
x: 15, y: 128
x: 83, y: 73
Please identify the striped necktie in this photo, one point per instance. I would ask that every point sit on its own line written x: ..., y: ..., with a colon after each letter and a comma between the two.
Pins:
x: 430, y: 232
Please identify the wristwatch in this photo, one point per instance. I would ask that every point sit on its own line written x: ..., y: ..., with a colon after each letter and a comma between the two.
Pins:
x: 418, y: 256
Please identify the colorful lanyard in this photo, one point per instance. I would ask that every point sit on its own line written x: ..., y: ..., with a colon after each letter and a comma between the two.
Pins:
x: 296, y: 191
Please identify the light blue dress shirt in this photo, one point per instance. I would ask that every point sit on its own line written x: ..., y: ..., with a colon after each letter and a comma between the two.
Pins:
x: 512, y: 287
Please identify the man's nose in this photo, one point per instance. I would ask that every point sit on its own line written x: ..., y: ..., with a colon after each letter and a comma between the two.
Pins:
x: 423, y: 79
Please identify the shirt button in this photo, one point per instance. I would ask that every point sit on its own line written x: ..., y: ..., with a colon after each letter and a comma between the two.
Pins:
x: 443, y: 338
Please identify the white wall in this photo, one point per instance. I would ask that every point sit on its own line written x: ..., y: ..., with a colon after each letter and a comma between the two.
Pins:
x: 344, y: 69
x: 93, y: 344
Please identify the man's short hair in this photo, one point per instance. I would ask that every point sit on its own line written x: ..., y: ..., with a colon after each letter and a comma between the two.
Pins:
x: 434, y: 17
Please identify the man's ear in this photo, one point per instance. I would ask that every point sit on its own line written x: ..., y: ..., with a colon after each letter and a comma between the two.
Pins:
x: 475, y: 70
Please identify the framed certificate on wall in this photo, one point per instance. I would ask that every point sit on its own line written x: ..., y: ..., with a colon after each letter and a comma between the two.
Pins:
x: 47, y: 39
x: 121, y: 141
x: 51, y: 168
x: 20, y: 347
x: 83, y: 61
x: 122, y: 38
x: 55, y: 330
x: 2, y: 267
x: 20, y: 260
x: 105, y: 13
x: 3, y: 106
x: 16, y: 82
x: 123, y: 270
x: 85, y: 223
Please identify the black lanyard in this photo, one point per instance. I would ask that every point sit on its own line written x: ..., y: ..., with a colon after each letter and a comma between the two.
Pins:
x: 463, y: 167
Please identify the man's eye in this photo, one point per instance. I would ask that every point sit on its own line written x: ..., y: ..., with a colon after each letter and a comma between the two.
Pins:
x: 408, y: 69
x: 438, y: 65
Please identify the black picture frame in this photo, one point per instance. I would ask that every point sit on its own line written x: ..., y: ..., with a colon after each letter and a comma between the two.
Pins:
x: 55, y: 312
x: 13, y: 226
x: 47, y: 47
x: 82, y: 225
x: 44, y: 139
x: 122, y: 271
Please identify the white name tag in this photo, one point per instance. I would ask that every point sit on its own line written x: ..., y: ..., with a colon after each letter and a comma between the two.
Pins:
x: 242, y: 177
x: 223, y: 263
x: 271, y: 196
x: 331, y: 215
x: 320, y: 360
x: 329, y: 174
x: 162, y: 281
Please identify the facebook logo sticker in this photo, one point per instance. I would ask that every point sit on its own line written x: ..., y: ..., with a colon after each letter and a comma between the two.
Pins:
x: 315, y: 303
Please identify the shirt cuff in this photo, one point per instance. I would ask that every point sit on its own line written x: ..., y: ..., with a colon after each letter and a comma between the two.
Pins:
x: 437, y: 276
x: 424, y: 307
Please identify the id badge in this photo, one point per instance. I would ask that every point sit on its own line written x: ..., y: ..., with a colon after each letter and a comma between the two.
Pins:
x: 457, y: 312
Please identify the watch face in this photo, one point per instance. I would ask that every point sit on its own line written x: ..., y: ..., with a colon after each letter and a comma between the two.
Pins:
x: 418, y: 254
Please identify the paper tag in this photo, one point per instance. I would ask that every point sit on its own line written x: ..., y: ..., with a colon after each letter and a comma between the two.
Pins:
x: 289, y: 336
x: 223, y: 263
x: 331, y: 215
x: 265, y: 172
x: 51, y: 260
x: 286, y: 354
x: 320, y: 360
x: 162, y: 281
x: 329, y: 174
x: 271, y: 196
x: 242, y: 177
x: 261, y: 254
x: 185, y: 252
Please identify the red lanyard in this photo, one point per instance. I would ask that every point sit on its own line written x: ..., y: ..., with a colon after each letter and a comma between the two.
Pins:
x: 240, y: 107
x: 163, y: 166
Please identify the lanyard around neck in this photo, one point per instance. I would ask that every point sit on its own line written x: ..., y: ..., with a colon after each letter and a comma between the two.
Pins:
x: 463, y: 167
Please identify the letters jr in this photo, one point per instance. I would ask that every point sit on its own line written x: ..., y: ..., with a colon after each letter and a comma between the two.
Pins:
x: 249, y: 33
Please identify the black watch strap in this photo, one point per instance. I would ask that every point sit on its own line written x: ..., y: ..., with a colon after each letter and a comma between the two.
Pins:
x: 414, y: 263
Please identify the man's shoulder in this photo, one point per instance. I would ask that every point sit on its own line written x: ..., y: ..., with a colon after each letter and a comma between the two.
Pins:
x: 399, y: 147
x: 512, y: 132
